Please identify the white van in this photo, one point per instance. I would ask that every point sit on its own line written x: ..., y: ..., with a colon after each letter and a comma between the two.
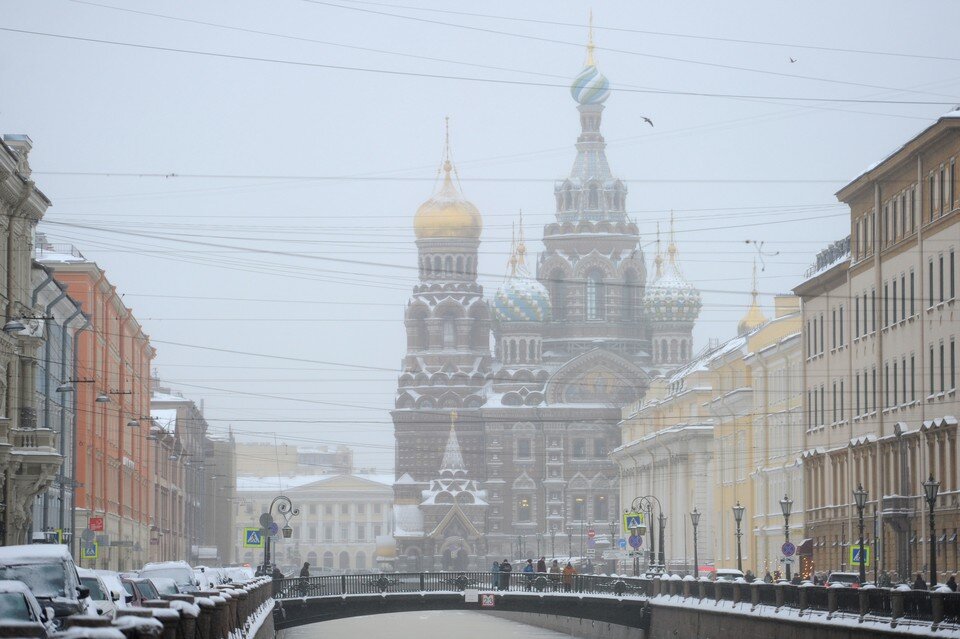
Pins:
x: 179, y: 571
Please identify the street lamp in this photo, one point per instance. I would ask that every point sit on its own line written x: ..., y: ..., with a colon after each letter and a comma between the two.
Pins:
x: 860, y: 498
x: 785, y: 505
x: 695, y: 520
x: 738, y: 517
x: 663, y: 533
x: 284, y: 507
x: 553, y: 541
x: 931, y: 487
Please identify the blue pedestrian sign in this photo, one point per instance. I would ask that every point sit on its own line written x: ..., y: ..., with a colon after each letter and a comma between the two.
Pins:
x: 622, y: 543
x: 252, y: 538
x: 632, y: 521
x: 856, y: 559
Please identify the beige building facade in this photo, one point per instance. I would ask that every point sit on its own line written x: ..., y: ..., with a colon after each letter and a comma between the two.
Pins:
x: 880, y: 324
x: 340, y: 519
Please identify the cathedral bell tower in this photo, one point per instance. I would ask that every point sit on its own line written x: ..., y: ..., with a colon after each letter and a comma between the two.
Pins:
x: 592, y: 264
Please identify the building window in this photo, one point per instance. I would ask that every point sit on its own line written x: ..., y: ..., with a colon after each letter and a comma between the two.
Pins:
x: 523, y: 449
x: 873, y: 386
x: 873, y: 309
x: 328, y: 532
x: 328, y: 509
x: 886, y: 305
x: 953, y: 276
x: 856, y: 388
x: 361, y: 532
x: 913, y: 296
x: 821, y: 333
x: 377, y: 509
x: 361, y: 508
x: 943, y: 369
x: 600, y: 508
x: 856, y: 316
x: 599, y: 448
x: 840, y: 328
x: 930, y: 268
x: 594, y: 296
x: 941, y: 277
x: 579, y: 449
x: 953, y: 364
x: 523, y: 509
x: 823, y: 408
x: 833, y: 328
x: 344, y: 533
x: 579, y: 509
x: 834, y: 420
x: 449, y: 333
x: 903, y: 297
x: 933, y: 385
x: 344, y: 509
x: 895, y: 386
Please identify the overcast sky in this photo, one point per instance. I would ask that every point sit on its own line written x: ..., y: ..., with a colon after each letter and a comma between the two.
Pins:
x: 328, y: 90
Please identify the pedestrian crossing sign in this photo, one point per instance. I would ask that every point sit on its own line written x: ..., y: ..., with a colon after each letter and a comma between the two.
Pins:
x: 855, y: 558
x: 90, y: 550
x: 252, y: 538
x: 632, y: 521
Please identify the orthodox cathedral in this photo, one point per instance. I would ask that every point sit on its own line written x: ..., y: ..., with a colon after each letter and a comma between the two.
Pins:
x: 505, y: 453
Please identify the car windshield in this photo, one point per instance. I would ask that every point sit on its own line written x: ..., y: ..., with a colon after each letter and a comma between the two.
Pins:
x: 147, y: 591
x: 96, y: 592
x: 166, y: 586
x: 13, y: 605
x: 44, y: 580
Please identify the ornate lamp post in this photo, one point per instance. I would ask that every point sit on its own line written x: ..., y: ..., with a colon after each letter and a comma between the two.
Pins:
x: 553, y: 541
x: 645, y: 504
x: 695, y: 520
x: 785, y: 505
x: 931, y: 487
x: 663, y: 533
x: 860, y: 498
x: 285, y: 508
x: 738, y: 517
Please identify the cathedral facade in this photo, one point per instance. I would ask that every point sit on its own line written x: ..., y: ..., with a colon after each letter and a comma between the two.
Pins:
x: 504, y: 452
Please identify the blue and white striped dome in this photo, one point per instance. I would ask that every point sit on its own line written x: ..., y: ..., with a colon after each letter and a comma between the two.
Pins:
x: 522, y: 299
x: 670, y: 297
x: 590, y: 86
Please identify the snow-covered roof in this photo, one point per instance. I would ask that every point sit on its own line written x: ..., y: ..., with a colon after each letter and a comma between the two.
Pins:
x: 407, y: 520
x: 165, y: 419
x: 157, y: 396
x: 260, y: 484
x: 15, y: 555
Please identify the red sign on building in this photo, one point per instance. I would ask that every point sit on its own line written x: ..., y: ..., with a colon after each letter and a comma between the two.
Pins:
x: 96, y: 524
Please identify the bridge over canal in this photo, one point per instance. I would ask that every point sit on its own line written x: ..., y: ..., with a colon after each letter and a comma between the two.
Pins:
x: 644, y: 608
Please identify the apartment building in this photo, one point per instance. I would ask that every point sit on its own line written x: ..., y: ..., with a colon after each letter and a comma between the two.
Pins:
x: 880, y: 324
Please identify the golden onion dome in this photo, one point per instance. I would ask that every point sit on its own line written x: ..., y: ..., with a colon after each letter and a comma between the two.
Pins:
x: 447, y: 214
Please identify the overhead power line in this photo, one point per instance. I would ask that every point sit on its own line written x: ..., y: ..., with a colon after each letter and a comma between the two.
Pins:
x: 440, y: 76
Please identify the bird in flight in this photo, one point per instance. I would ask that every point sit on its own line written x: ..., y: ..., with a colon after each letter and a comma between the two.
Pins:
x: 647, y: 120
x: 792, y: 60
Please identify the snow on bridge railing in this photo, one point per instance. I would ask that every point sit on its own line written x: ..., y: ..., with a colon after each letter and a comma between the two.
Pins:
x: 893, y: 607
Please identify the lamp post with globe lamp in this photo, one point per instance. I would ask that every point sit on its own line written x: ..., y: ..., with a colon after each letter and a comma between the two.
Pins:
x: 930, y: 488
x: 860, y: 498
x: 786, y: 504
x: 695, y: 520
x: 738, y: 517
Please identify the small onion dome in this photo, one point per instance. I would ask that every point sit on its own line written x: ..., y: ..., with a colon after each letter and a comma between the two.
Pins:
x: 671, y: 298
x: 522, y: 299
x: 590, y: 87
x: 447, y: 214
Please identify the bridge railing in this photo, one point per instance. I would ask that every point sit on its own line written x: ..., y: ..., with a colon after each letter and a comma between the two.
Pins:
x: 333, y: 585
x: 898, y: 606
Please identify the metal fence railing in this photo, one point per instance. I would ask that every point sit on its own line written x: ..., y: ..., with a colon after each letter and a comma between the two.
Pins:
x: 909, y: 605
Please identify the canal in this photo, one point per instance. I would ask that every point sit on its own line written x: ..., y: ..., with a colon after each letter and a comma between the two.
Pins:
x: 421, y: 625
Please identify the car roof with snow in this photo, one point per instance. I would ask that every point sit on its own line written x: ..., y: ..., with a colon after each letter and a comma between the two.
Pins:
x: 34, y: 553
x: 166, y: 564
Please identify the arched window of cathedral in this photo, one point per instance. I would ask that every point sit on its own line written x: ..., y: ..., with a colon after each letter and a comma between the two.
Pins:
x: 594, y: 296
x: 533, y: 351
x: 448, y: 266
x: 513, y: 351
x: 663, y: 351
x: 628, y: 296
x: 421, y: 337
x: 673, y: 350
x: 567, y: 199
x: 469, y: 267
x: 593, y: 197
x: 683, y: 350
x: 437, y: 266
x: 460, y: 265
x: 523, y: 351
x: 449, y: 333
x: 558, y: 294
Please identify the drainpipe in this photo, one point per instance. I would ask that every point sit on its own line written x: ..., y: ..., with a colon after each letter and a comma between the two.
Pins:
x: 73, y: 448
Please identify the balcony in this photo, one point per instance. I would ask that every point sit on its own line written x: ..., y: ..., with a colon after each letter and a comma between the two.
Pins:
x: 39, y: 439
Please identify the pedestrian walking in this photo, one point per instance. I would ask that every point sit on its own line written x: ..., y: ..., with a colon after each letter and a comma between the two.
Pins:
x: 542, y: 565
x: 952, y: 582
x: 305, y: 571
x: 555, y: 571
x: 495, y: 574
x: 505, y: 570
x: 568, y: 573
x: 767, y: 578
x: 919, y: 583
x: 528, y: 570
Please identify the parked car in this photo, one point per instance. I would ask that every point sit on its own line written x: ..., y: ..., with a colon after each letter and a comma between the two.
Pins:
x: 139, y: 590
x: 727, y: 574
x: 179, y: 571
x: 239, y: 574
x: 112, y: 581
x: 50, y: 574
x: 19, y: 606
x: 208, y: 578
x: 844, y: 579
x: 100, y: 595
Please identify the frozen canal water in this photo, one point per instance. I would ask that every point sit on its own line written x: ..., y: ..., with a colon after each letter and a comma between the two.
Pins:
x: 454, y: 624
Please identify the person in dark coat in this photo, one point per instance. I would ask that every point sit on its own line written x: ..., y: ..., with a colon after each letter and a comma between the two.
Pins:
x: 505, y: 570
x: 276, y: 573
x: 919, y: 583
x: 495, y: 574
x: 542, y: 565
x: 305, y: 571
x: 952, y: 582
